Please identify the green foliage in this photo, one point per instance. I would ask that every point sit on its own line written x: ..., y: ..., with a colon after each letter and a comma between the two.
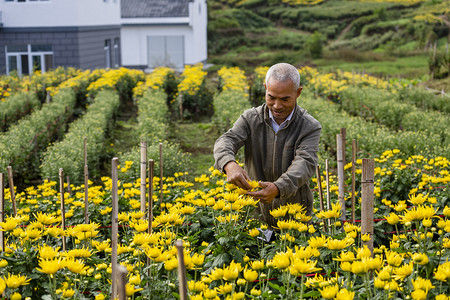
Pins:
x: 174, y: 160
x: 315, y: 45
x: 287, y: 40
x: 68, y: 153
x: 383, y: 108
x: 226, y: 28
x: 17, y: 106
x: 424, y: 99
x: 439, y: 64
x: 22, y: 145
x: 372, y: 138
x: 153, y: 129
x: 228, y: 106
x: 152, y: 116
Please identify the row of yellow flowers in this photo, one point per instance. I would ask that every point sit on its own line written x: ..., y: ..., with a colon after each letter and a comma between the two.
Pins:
x: 225, y: 252
x: 37, y: 82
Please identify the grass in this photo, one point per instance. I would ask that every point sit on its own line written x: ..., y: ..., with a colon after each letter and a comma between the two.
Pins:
x: 197, y: 139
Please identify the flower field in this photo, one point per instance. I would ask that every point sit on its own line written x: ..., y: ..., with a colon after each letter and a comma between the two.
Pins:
x: 226, y: 254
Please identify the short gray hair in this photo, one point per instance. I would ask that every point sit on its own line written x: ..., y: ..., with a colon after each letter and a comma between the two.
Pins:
x: 283, y: 72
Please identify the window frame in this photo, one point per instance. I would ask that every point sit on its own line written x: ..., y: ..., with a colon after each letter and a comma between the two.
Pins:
x: 30, y: 54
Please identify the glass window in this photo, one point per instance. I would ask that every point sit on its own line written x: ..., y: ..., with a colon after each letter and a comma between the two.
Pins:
x: 116, y: 52
x: 12, y: 63
x: 16, y: 48
x: 37, y: 63
x: 24, y: 64
x: 26, y: 59
x: 48, y: 61
x: 41, y: 48
x: 107, y: 53
x: 165, y: 51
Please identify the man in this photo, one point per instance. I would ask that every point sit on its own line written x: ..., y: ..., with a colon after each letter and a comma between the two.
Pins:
x: 281, y: 143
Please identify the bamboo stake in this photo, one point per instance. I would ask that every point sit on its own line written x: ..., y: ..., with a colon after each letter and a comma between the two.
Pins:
x: 122, y: 278
x: 115, y: 230
x: 319, y: 186
x: 340, y: 173
x: 180, y: 100
x: 2, y: 208
x: 63, y: 213
x: 343, y: 132
x: 86, y: 184
x: 327, y: 179
x: 181, y: 271
x: 143, y: 174
x: 353, y: 179
x: 11, y: 190
x: 367, y: 188
x: 151, y: 165
x: 161, y: 174
x: 69, y: 189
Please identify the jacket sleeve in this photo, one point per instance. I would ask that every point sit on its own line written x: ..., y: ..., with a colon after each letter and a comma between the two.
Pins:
x: 230, y: 142
x: 303, y: 166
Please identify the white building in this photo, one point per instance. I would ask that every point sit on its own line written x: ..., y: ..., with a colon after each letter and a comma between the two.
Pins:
x: 89, y: 34
x: 160, y: 32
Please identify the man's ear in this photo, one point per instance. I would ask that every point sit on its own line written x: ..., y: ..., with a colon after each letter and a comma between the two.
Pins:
x: 299, y: 91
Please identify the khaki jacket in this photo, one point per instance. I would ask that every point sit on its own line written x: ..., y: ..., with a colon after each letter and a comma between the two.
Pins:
x: 287, y: 158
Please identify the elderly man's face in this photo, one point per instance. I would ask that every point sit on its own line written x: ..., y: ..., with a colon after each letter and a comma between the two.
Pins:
x: 281, y: 98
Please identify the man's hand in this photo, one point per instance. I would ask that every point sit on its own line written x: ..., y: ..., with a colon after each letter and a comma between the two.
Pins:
x: 268, y: 192
x: 236, y: 175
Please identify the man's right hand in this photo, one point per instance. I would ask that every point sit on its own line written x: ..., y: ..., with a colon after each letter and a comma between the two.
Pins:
x: 236, y: 175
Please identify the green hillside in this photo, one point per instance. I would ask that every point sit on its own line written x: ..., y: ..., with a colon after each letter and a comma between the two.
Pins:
x: 390, y: 38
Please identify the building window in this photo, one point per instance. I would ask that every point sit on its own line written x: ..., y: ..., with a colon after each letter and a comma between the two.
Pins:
x: 116, y: 53
x: 27, y: 59
x: 107, y: 54
x: 165, y: 51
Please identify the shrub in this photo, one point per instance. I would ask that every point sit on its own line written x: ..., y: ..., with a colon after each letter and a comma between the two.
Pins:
x: 17, y: 106
x: 22, y: 145
x: 69, y: 152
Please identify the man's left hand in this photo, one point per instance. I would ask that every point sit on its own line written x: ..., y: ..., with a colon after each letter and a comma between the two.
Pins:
x: 268, y: 192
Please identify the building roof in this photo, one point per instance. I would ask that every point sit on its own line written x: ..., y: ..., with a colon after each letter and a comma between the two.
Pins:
x: 154, y: 8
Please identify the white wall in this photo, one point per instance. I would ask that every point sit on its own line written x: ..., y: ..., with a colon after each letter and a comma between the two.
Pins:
x: 134, y: 41
x: 60, y: 13
x: 198, y: 12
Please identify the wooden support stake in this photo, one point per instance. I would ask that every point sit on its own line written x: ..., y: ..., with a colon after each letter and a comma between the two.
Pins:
x: 367, y: 188
x: 11, y: 190
x: 69, y: 189
x: 63, y: 212
x: 115, y: 226
x: 2, y: 208
x: 343, y: 132
x: 327, y: 181
x: 161, y: 174
x: 319, y: 186
x: 340, y: 173
x: 180, y: 100
x: 86, y: 184
x: 353, y: 179
x: 182, y: 283
x: 151, y: 166
x: 122, y: 282
x: 143, y: 175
